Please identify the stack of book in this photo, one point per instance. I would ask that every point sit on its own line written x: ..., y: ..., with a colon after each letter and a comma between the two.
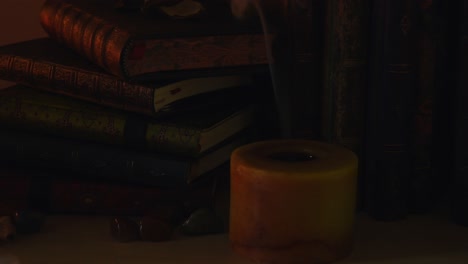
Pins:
x: 117, y: 111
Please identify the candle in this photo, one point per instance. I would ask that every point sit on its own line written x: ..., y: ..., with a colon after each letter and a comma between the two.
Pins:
x: 292, y: 201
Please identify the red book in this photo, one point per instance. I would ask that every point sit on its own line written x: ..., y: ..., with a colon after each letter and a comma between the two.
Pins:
x: 53, y: 192
x: 132, y: 45
x: 15, y: 188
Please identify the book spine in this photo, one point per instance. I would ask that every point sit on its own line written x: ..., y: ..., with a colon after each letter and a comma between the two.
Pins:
x: 299, y: 66
x: 346, y: 68
x: 91, y: 197
x: 423, y: 190
x: 78, y: 194
x: 92, y: 87
x: 89, y: 160
x: 14, y: 192
x: 459, y: 194
x: 62, y: 116
x: 116, y: 51
x: 389, y: 101
x: 22, y: 188
x: 92, y: 37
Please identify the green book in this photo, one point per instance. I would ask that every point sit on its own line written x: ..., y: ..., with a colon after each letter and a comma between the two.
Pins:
x: 188, y: 134
x: 67, y: 159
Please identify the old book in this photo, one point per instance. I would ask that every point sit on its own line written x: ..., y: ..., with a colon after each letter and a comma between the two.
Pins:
x: 425, y: 186
x: 132, y: 45
x: 388, y: 114
x: 458, y: 166
x: 46, y: 65
x: 14, y: 191
x: 346, y: 76
x: 298, y: 52
x: 65, y: 192
x: 90, y: 160
x: 88, y: 196
x: 188, y: 134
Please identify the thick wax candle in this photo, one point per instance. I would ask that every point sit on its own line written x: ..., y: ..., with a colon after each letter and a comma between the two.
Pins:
x: 292, y: 201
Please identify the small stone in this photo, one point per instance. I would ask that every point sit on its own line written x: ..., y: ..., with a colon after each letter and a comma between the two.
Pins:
x: 155, y: 229
x: 28, y: 222
x: 7, y: 229
x: 202, y: 222
x: 124, y: 229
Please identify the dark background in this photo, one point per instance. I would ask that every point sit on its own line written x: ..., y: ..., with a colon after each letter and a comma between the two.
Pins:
x: 19, y: 21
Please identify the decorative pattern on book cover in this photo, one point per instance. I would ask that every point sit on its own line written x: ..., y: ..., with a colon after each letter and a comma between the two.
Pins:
x: 346, y: 81
x: 188, y: 135
x: 131, y: 45
x: 389, y: 101
x: 44, y: 64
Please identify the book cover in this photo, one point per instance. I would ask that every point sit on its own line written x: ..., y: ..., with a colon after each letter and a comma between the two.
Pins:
x: 189, y: 134
x: 346, y: 76
x: 388, y: 114
x: 46, y: 65
x: 131, y: 45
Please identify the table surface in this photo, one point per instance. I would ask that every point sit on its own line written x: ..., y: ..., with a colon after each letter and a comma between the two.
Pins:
x: 85, y: 239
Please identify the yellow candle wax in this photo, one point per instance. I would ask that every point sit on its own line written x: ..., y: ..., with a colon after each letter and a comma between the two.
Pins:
x: 292, y: 201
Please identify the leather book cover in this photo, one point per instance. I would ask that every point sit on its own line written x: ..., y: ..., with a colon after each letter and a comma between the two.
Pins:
x: 46, y: 65
x: 132, y: 45
x: 189, y: 134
